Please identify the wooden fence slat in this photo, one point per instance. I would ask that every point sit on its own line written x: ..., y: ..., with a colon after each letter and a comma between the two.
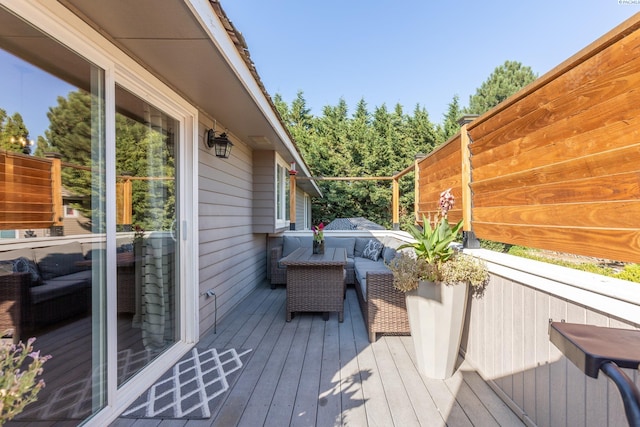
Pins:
x: 24, y: 225
x: 622, y: 214
x: 25, y: 216
x: 608, y: 125
x: 17, y: 197
x: 618, y: 187
x: 614, y: 244
x: 625, y: 160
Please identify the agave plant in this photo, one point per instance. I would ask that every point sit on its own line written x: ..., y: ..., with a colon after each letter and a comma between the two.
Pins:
x: 433, y: 244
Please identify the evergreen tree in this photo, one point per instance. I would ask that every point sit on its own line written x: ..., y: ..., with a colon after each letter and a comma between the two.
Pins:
x: 505, y: 80
x: 378, y: 145
x: 12, y: 132
x: 140, y: 151
x: 450, y: 126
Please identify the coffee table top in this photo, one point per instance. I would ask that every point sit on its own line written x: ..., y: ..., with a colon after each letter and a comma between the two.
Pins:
x: 306, y: 257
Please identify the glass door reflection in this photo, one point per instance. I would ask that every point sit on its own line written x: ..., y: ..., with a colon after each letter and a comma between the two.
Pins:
x: 146, y: 248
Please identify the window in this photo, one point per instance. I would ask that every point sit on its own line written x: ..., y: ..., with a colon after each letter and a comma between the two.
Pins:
x: 8, y: 234
x: 282, y: 195
x: 70, y: 212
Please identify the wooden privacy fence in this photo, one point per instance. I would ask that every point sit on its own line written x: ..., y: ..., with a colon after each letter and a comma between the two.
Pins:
x: 26, y: 192
x: 31, y: 192
x: 557, y: 165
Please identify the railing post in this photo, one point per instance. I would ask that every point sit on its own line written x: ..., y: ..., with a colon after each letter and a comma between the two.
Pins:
x: 292, y: 197
x: 56, y: 188
x: 469, y: 239
x: 396, y: 203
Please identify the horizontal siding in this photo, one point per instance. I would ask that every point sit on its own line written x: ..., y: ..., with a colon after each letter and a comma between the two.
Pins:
x: 231, y: 257
x: 300, y: 201
x: 264, y: 191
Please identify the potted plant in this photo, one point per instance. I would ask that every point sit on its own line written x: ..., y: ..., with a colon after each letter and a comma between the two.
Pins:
x: 19, y: 385
x: 436, y: 278
x: 318, y: 238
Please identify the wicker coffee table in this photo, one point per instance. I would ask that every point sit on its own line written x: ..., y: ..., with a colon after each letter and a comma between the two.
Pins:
x: 315, y: 282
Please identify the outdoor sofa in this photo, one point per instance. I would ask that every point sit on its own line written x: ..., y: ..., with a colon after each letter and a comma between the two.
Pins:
x: 42, y: 286
x: 383, y: 307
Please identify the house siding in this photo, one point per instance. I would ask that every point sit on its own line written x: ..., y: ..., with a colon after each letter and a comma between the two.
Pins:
x: 264, y: 191
x: 232, y: 258
x: 300, y: 211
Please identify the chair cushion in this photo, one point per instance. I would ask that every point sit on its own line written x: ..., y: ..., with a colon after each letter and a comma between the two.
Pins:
x: 388, y: 254
x: 16, y: 253
x: 291, y: 243
x: 361, y: 243
x: 348, y: 243
x: 363, y: 266
x: 57, y: 288
x: 60, y: 260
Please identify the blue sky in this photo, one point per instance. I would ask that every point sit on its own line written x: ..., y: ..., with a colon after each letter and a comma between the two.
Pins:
x: 407, y: 51
x: 410, y: 51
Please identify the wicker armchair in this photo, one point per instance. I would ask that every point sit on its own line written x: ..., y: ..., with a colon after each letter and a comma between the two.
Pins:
x: 278, y: 273
x: 385, y: 310
x: 14, y: 301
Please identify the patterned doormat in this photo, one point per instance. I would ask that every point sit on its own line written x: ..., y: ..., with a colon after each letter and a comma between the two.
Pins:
x: 193, y: 388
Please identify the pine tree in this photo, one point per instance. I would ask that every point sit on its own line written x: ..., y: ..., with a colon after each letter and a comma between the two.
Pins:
x: 505, y: 80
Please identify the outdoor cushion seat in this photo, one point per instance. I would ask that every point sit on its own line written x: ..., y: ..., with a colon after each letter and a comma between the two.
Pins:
x: 364, y: 266
x: 59, y: 287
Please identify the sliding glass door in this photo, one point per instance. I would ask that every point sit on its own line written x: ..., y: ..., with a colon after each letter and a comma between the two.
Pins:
x: 53, y: 276
x: 147, y: 227
x: 89, y: 215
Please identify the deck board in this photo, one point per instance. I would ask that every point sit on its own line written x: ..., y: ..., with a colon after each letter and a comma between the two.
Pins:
x: 309, y: 372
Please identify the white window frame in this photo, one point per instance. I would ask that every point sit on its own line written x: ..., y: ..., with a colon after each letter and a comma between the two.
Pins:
x: 307, y: 212
x: 73, y: 214
x: 281, y: 193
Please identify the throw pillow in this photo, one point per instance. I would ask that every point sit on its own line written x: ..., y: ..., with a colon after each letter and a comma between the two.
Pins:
x: 24, y: 265
x: 372, y: 250
x: 388, y: 254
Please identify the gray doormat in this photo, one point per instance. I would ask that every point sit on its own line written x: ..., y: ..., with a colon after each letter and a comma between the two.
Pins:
x: 193, y: 388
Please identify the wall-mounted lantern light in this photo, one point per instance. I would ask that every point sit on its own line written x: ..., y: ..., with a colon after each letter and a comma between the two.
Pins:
x: 220, y: 143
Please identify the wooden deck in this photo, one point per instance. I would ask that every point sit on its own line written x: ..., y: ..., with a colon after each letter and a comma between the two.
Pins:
x: 309, y: 372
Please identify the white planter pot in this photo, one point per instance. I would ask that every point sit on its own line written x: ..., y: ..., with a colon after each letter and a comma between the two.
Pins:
x: 436, y: 318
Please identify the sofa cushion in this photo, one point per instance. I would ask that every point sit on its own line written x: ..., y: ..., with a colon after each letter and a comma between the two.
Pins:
x: 361, y: 243
x: 372, y: 250
x: 348, y: 243
x: 54, y: 288
x: 363, y: 266
x: 15, y: 254
x: 84, y: 275
x: 59, y: 260
x: 388, y: 254
x: 291, y: 243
